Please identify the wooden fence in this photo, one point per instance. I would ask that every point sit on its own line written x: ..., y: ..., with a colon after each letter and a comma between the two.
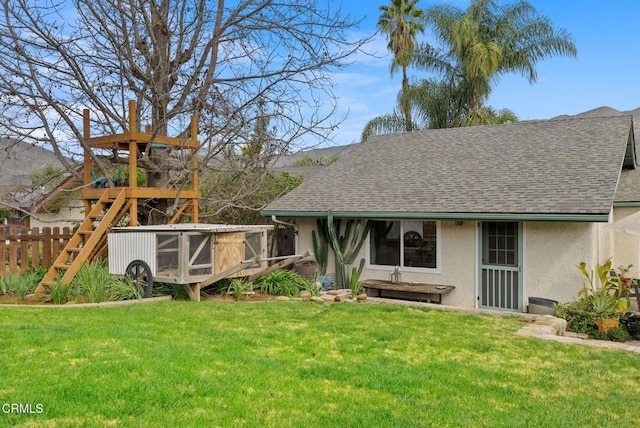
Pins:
x: 22, y: 248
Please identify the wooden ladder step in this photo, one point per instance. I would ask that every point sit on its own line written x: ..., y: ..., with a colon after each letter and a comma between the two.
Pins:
x: 61, y: 266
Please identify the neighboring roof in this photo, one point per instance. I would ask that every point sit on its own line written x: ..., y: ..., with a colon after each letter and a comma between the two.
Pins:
x: 68, y: 190
x: 554, y: 169
x: 314, y: 154
x: 288, y: 163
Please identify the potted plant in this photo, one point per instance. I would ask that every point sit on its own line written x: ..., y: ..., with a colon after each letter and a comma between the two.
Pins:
x: 607, y: 292
x: 607, y: 309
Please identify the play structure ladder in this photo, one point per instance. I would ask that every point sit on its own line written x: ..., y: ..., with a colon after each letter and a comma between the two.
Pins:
x: 88, y: 239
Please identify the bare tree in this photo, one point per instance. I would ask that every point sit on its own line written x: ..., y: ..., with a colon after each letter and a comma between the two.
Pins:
x: 230, y: 64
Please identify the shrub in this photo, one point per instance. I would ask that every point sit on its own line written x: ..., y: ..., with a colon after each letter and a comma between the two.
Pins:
x: 237, y: 287
x: 579, y: 315
x: 20, y: 284
x: 618, y: 334
x: 282, y: 282
x: 90, y: 282
x: 94, y: 284
x: 59, y: 293
x: 582, y: 319
x: 176, y: 291
x: 122, y: 290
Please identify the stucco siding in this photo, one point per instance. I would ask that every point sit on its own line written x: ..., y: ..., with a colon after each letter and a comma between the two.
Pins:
x: 66, y: 217
x: 626, y: 245
x: 552, y: 250
x: 457, y: 264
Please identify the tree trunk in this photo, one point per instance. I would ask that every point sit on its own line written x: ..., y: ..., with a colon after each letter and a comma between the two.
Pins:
x: 163, y: 81
x: 406, y: 105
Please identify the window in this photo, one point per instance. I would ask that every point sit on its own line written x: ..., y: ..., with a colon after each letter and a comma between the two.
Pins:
x: 410, y: 243
x: 500, y: 246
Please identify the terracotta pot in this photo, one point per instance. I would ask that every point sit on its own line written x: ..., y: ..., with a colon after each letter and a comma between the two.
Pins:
x: 607, y: 324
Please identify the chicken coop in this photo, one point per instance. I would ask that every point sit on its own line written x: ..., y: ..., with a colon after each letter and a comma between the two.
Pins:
x: 194, y: 255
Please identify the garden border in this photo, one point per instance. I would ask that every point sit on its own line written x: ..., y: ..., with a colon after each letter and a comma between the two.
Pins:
x: 94, y: 305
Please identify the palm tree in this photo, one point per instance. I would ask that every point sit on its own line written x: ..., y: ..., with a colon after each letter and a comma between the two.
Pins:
x: 486, y: 41
x: 434, y: 105
x: 401, y: 22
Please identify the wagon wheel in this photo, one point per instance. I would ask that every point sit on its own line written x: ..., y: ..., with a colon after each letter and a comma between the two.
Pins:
x: 140, y: 274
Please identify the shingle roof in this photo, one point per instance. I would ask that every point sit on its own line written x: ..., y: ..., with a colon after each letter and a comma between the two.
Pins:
x: 562, y: 166
x: 628, y: 186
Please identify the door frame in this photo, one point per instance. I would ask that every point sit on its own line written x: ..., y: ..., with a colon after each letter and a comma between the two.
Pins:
x: 519, y: 268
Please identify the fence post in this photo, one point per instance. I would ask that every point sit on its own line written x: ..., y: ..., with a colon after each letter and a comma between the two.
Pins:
x: 20, y: 251
x: 3, y: 253
x: 23, y: 253
x: 35, y: 247
x: 46, y: 246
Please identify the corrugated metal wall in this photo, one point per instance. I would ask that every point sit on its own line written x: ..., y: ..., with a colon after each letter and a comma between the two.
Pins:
x: 127, y: 247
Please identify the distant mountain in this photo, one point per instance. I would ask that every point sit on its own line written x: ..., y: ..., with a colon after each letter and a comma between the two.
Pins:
x: 18, y: 160
x: 604, y: 111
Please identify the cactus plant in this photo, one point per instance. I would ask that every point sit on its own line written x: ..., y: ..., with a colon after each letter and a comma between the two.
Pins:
x: 320, y: 249
x: 346, y: 247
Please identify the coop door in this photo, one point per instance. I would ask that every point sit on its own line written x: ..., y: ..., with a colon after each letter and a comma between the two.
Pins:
x: 500, y: 285
x: 230, y: 249
x: 200, y: 255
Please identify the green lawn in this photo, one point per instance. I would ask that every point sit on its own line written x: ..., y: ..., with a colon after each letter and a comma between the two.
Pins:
x: 301, y: 364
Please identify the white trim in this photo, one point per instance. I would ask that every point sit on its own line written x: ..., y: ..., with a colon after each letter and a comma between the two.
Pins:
x: 525, y: 302
x: 478, y: 264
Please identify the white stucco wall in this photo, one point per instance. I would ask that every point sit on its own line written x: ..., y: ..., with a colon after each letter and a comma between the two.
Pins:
x: 551, y: 252
x: 457, y: 261
x: 67, y: 216
x: 457, y: 266
x: 626, y: 246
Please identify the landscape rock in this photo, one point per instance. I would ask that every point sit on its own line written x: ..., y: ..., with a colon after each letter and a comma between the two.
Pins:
x: 282, y: 299
x: 328, y: 297
x: 576, y: 335
x: 533, y: 330
x: 316, y: 299
x: 343, y: 297
x: 362, y: 296
x: 558, y: 324
x: 305, y: 295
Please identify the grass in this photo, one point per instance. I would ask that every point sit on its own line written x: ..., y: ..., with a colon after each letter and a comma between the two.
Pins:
x: 302, y: 364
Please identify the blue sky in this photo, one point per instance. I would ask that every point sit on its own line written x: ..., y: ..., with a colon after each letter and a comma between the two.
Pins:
x: 605, y: 72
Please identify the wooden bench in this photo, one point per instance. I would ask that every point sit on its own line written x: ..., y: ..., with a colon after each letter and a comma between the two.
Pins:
x: 429, y: 290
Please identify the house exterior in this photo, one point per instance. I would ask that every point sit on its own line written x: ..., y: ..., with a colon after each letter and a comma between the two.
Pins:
x: 62, y: 206
x: 34, y: 206
x: 501, y: 212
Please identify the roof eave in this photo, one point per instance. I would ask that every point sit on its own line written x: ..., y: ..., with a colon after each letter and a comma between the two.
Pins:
x: 570, y: 217
x: 626, y: 204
